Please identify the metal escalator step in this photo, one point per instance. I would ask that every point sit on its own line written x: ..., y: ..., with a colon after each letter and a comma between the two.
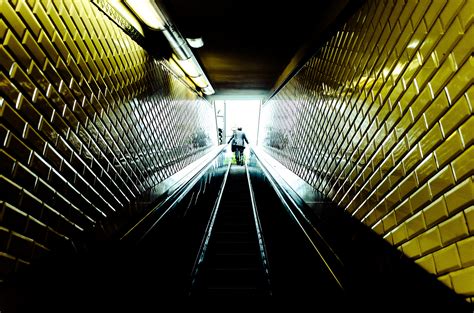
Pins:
x: 235, y: 227
x: 235, y: 260
x: 239, y: 235
x: 235, y: 278
x: 236, y: 291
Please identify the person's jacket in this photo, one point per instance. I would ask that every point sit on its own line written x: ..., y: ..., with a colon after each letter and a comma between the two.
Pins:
x: 239, y: 138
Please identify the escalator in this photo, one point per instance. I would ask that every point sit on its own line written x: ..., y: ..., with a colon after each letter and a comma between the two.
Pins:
x: 207, y: 240
x: 255, y: 245
x: 230, y: 231
x: 302, y: 265
x: 232, y: 261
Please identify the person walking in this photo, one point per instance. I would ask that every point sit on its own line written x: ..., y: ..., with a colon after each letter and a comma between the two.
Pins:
x: 238, y: 140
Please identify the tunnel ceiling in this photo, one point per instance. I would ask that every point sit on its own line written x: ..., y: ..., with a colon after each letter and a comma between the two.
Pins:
x: 250, y: 46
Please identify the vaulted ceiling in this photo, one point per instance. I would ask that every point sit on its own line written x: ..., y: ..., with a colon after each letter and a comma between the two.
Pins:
x: 252, y: 46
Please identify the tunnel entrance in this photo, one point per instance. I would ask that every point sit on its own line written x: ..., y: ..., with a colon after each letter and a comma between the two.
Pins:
x: 233, y: 113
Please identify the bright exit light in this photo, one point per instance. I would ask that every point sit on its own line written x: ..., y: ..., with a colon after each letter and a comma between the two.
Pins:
x: 245, y: 114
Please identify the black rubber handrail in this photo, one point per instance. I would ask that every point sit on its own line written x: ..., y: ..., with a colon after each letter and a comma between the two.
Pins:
x: 207, y: 234
x: 258, y: 226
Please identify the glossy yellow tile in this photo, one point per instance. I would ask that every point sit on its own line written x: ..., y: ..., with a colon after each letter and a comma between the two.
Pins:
x: 446, y: 280
x: 461, y: 51
x: 455, y: 116
x: 48, y: 48
x: 427, y: 262
x: 450, y: 11
x: 399, y: 234
x: 457, y: 86
x: 453, y: 229
x: 14, y: 47
x: 442, y: 181
x: 466, y: 251
x: 415, y: 225
x: 378, y: 228
x: 447, y: 259
x: 438, y: 107
x: 435, y: 212
x: 469, y: 212
x: 389, y: 221
x: 466, y: 132
x: 462, y: 280
x: 426, y: 169
x: 463, y: 166
x: 13, y: 20
x: 460, y: 196
x: 411, y: 159
x: 412, y: 248
x: 432, y: 139
x: 403, y: 211
x: 32, y: 46
x: 420, y: 198
x: 433, y: 12
x: 451, y: 147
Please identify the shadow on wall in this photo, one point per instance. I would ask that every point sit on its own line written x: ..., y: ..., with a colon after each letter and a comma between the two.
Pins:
x: 378, y: 273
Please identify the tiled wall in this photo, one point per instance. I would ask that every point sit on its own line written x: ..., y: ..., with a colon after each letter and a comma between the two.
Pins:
x: 380, y: 120
x: 90, y: 122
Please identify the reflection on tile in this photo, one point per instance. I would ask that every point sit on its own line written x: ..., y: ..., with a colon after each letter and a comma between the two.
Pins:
x: 417, y: 133
x: 90, y: 123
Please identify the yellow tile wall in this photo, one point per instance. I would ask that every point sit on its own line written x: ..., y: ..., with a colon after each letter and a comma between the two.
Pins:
x: 391, y: 109
x: 90, y: 123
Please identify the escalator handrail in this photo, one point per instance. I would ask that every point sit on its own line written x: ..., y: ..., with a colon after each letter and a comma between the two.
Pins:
x: 207, y: 234
x: 289, y: 202
x: 171, y: 200
x: 287, y: 189
x: 258, y: 226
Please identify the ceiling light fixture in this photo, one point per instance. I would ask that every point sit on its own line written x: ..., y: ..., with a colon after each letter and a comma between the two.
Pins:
x: 176, y: 68
x: 148, y: 12
x: 200, y: 81
x: 195, y: 42
x: 189, y: 66
x: 208, y: 90
x: 126, y: 14
x: 152, y: 16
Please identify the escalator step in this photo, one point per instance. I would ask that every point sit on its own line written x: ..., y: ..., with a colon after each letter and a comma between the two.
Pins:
x: 235, y: 235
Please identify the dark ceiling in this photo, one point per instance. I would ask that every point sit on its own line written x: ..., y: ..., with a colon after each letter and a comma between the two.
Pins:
x: 251, y: 46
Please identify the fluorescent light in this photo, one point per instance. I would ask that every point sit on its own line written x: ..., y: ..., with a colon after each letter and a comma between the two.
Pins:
x: 200, y: 81
x: 148, y: 12
x: 208, y: 90
x: 175, y: 68
x: 193, y: 71
x: 126, y: 14
x: 189, y: 82
x: 189, y: 66
x: 195, y: 42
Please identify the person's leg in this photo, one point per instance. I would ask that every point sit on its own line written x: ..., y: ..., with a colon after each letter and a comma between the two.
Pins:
x: 237, y: 155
